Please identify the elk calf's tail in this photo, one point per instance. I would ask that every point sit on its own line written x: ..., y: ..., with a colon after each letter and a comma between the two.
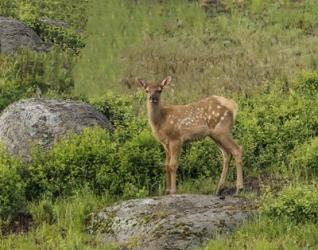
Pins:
x: 229, y: 104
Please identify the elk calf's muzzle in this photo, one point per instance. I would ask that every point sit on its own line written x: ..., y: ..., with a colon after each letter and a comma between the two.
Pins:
x: 153, y: 99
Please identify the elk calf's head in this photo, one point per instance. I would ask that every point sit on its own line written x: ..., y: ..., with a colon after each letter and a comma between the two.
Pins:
x: 154, y: 89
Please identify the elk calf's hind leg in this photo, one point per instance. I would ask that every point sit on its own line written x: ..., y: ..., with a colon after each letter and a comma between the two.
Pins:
x: 226, y: 160
x: 231, y: 146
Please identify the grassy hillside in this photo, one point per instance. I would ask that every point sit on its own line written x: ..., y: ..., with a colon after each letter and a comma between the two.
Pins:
x: 245, y: 46
x: 262, y: 53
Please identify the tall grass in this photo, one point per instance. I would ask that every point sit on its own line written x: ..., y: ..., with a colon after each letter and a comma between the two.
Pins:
x: 60, y: 225
x: 263, y: 233
x: 235, y: 52
x: 116, y: 25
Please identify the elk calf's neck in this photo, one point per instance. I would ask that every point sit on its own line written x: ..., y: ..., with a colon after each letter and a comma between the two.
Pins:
x: 173, y: 125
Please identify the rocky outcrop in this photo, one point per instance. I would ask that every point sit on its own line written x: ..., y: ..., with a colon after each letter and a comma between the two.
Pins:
x: 15, y: 34
x: 42, y: 122
x: 169, y: 222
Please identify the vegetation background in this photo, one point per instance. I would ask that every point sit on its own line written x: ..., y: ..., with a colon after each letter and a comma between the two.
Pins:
x: 261, y: 53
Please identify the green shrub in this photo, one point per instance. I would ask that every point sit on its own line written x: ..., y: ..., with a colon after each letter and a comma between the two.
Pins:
x: 298, y: 204
x: 85, y: 160
x: 125, y: 112
x: 118, y: 109
x: 98, y: 161
x: 12, y: 187
x: 141, y: 162
x: 67, y: 39
x: 200, y: 159
x: 270, y: 126
x: 305, y: 157
x: 308, y: 82
x: 20, y: 75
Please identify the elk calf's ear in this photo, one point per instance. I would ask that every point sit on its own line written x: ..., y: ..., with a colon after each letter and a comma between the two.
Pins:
x: 166, y: 82
x: 142, y: 83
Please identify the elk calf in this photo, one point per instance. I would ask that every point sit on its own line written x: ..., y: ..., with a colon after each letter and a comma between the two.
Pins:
x: 173, y: 125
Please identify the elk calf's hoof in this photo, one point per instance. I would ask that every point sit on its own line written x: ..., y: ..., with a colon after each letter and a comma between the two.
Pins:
x: 220, y: 191
x: 173, y: 191
x: 238, y: 191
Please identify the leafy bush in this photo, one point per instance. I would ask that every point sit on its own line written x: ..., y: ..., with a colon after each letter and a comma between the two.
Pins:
x: 141, y: 161
x: 98, y: 161
x: 20, y: 75
x: 85, y: 160
x: 305, y: 157
x: 200, y: 159
x: 67, y: 39
x: 12, y: 194
x: 298, y: 204
x: 308, y: 82
x: 118, y: 109
x: 124, y: 113
x: 271, y: 126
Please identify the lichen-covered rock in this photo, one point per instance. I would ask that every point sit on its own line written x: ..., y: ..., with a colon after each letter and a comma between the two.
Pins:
x: 42, y: 122
x: 15, y: 34
x: 169, y: 222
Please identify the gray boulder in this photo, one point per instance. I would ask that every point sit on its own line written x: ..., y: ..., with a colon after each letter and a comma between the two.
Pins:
x: 42, y: 122
x: 169, y: 222
x: 15, y: 34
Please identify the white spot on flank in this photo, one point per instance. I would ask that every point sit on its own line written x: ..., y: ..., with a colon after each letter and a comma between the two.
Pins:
x: 222, y: 118
x: 217, y: 114
x: 218, y: 106
x: 213, y: 112
x: 171, y: 122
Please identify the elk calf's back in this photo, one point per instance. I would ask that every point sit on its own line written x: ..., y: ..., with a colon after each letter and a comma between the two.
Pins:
x: 193, y: 121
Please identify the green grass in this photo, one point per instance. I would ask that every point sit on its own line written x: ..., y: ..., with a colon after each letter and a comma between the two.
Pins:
x: 263, y: 233
x: 60, y: 224
x: 116, y: 25
x: 233, y: 53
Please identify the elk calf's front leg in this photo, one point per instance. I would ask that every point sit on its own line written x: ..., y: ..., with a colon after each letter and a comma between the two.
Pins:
x: 239, y: 171
x: 167, y: 169
x: 173, y: 165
